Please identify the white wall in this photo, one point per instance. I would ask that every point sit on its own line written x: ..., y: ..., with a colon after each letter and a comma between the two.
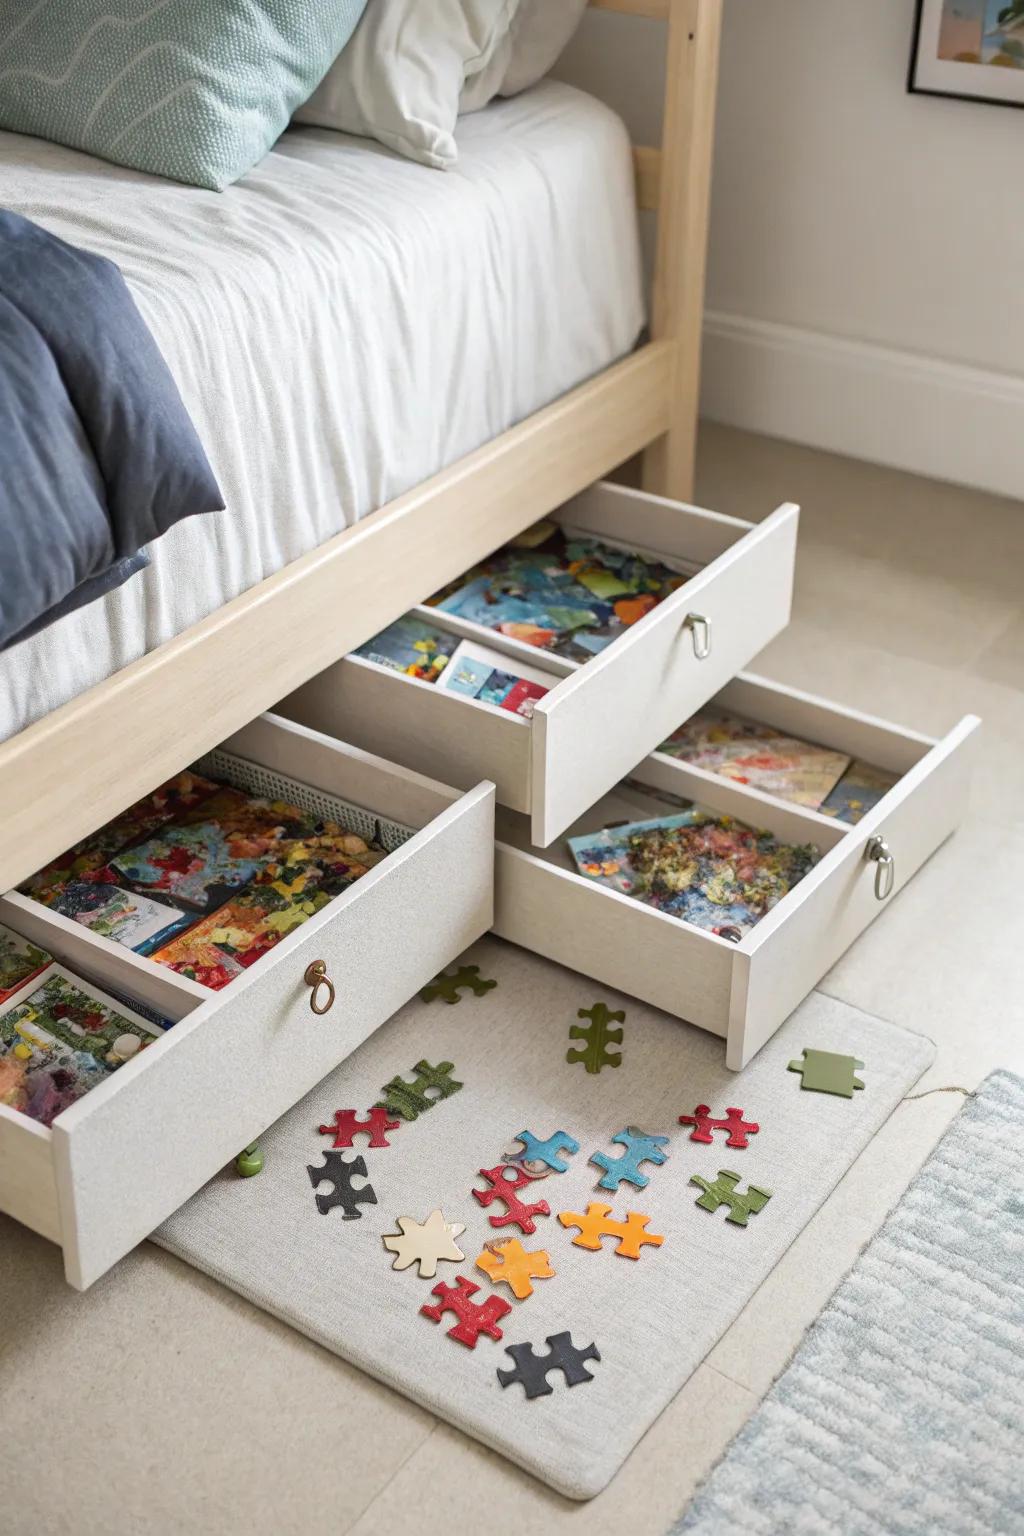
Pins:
x: 866, y: 269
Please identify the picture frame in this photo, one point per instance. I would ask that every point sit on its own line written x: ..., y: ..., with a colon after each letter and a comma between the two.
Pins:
x: 972, y: 50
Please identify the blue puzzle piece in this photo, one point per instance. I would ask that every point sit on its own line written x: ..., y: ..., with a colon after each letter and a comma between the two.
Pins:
x: 535, y: 1151
x: 640, y: 1148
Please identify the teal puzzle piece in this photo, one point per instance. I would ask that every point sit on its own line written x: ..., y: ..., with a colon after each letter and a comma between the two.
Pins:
x: 640, y: 1148
x: 536, y: 1151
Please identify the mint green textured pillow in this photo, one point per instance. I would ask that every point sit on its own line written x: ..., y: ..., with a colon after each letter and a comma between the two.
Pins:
x: 197, y: 90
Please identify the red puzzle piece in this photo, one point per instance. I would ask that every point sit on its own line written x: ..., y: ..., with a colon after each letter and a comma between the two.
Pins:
x: 474, y: 1318
x: 738, y: 1128
x: 346, y: 1126
x: 504, y: 1181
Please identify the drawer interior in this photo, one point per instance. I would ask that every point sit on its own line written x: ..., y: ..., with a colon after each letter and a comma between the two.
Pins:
x: 652, y: 789
x: 270, y: 758
x: 113, y: 965
x: 543, y: 765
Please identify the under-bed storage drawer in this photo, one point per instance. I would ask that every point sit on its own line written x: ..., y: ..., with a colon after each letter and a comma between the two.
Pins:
x: 130, y: 1151
x: 741, y: 990
x: 600, y: 718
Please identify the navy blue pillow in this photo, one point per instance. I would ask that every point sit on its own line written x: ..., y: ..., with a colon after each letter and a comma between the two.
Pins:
x: 98, y: 456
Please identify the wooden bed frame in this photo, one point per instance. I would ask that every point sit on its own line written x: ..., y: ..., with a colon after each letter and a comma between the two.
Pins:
x: 171, y: 705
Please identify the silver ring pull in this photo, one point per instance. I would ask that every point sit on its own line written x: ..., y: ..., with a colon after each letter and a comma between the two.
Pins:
x: 880, y: 854
x: 700, y: 629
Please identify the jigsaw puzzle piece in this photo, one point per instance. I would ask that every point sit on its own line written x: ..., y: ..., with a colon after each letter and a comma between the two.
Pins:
x: 504, y: 1182
x: 704, y: 1125
x: 335, y: 1170
x: 531, y: 1370
x: 595, y: 1054
x: 449, y: 985
x: 826, y: 1072
x: 424, y: 1243
x: 596, y: 1223
x: 724, y: 1192
x: 515, y: 1266
x: 428, y: 1087
x: 640, y: 1148
x: 346, y: 1126
x: 473, y: 1318
x: 547, y: 1153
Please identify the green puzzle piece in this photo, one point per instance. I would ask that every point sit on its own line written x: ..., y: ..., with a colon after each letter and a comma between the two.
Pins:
x: 428, y: 1087
x: 447, y: 984
x: 724, y: 1192
x: 825, y: 1072
x: 598, y: 1036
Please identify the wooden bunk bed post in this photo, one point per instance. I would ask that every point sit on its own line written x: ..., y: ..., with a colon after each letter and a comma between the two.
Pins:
x: 684, y: 196
x: 676, y: 180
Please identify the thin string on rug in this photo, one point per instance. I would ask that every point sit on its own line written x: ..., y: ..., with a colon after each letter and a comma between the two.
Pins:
x: 968, y: 1093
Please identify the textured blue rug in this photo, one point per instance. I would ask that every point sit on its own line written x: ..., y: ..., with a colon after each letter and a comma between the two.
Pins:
x: 903, y: 1409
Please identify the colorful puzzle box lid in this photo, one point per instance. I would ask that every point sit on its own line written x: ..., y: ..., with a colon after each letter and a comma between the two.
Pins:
x: 759, y: 756
x: 708, y: 870
x: 569, y: 595
x: 20, y: 961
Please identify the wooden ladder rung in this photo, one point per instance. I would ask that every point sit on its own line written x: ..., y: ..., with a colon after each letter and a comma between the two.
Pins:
x: 658, y: 9
x: 647, y: 170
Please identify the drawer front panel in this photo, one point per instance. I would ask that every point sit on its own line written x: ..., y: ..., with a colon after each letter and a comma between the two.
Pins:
x: 613, y: 940
x: 793, y: 947
x: 596, y: 726
x: 164, y: 1125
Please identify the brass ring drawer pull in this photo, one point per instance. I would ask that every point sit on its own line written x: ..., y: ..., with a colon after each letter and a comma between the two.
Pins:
x: 316, y: 977
x: 878, y: 851
x: 700, y: 629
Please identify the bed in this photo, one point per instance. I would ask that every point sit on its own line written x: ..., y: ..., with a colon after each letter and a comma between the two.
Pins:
x: 307, y: 316
x: 410, y: 319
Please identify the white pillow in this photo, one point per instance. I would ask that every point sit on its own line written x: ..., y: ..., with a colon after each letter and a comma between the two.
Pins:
x: 413, y: 65
x: 539, y: 32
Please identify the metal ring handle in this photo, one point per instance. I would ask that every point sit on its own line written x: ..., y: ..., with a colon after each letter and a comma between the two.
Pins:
x: 879, y: 853
x: 316, y: 977
x: 700, y: 629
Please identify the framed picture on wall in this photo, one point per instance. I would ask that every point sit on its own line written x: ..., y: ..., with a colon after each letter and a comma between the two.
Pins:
x: 973, y: 49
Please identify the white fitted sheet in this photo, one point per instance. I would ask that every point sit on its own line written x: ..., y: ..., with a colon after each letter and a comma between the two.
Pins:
x: 341, y: 323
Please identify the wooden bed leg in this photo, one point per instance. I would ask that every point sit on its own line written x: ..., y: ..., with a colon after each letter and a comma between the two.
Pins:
x: 677, y: 310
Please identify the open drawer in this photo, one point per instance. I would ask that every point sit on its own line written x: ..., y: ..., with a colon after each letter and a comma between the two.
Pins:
x: 600, y: 718
x: 741, y: 990
x: 130, y: 1151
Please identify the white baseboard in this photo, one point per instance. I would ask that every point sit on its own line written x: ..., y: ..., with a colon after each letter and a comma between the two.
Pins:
x: 917, y: 413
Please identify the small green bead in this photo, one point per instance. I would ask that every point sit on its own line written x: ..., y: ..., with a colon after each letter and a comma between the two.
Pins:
x: 250, y: 1162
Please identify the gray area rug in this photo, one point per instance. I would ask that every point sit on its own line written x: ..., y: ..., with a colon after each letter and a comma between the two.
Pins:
x: 903, y: 1409
x: 652, y: 1319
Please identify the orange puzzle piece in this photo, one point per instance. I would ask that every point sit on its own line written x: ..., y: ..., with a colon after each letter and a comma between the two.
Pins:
x: 595, y: 1225
x: 516, y: 1265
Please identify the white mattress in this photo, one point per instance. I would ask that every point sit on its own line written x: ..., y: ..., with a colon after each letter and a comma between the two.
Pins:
x: 341, y: 324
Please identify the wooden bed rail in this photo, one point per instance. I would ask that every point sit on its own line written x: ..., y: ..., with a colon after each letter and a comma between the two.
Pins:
x: 176, y: 702
x: 675, y: 180
x: 659, y: 9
